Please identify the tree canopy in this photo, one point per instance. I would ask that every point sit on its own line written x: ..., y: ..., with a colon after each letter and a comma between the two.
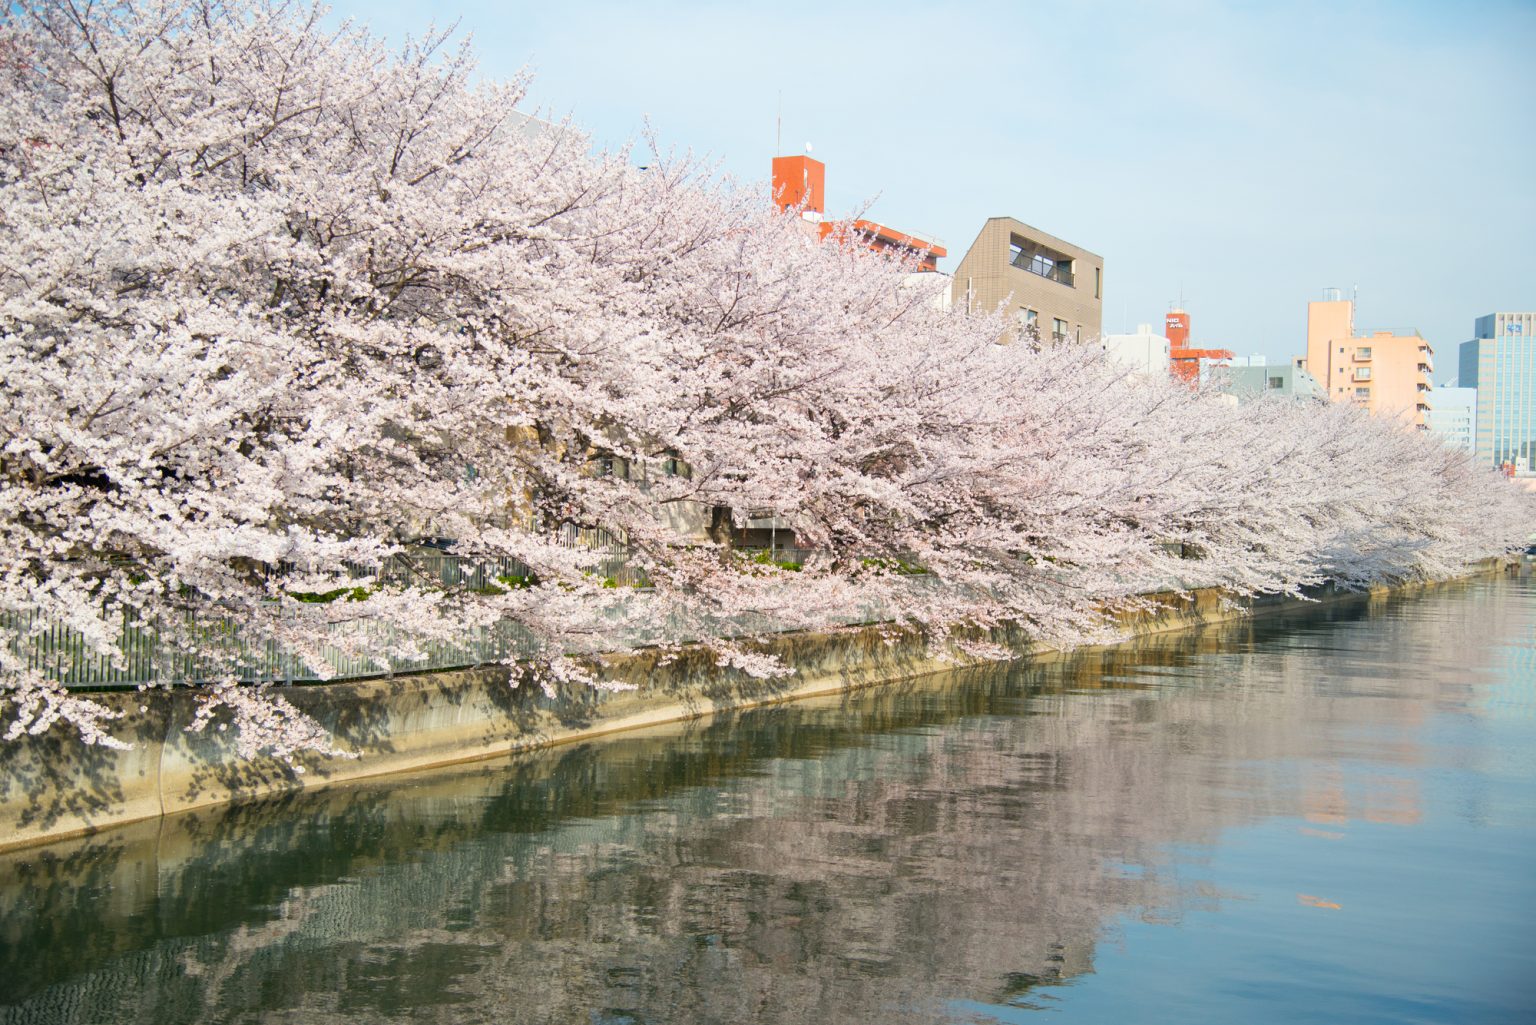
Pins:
x: 277, y: 302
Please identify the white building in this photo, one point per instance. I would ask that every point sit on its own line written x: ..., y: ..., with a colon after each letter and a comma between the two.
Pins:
x: 1454, y: 417
x: 1145, y: 351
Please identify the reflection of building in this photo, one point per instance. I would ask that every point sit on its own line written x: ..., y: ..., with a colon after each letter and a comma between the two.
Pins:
x: 1053, y: 289
x: 1386, y: 373
x: 800, y: 182
x: 1500, y: 362
x: 1454, y: 417
x: 1145, y: 351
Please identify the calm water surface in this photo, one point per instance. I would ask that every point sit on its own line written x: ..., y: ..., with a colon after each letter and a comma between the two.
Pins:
x: 1327, y: 817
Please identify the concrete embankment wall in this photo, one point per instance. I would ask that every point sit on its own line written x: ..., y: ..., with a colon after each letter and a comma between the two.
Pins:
x: 53, y: 787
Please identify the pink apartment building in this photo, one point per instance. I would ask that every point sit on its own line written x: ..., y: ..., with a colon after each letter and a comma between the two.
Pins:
x: 1387, y: 373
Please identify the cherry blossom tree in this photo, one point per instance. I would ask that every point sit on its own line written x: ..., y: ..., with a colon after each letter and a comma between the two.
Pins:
x: 276, y: 303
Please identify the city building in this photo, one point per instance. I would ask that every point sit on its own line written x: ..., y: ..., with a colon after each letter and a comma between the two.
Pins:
x: 1385, y: 372
x: 1146, y: 351
x: 1257, y: 380
x: 1053, y: 290
x: 1185, y: 362
x: 1500, y: 362
x: 800, y: 182
x: 1454, y: 417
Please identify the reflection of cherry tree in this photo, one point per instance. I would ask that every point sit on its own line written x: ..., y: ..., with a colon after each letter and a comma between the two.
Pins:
x: 274, y: 302
x: 962, y: 839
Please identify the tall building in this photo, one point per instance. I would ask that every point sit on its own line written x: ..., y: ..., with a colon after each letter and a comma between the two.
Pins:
x: 801, y: 182
x: 1454, y: 417
x: 1500, y: 362
x: 1387, y: 373
x: 1053, y: 289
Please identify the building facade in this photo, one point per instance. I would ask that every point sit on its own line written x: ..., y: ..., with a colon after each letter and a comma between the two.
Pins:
x: 1258, y: 380
x: 1053, y: 290
x: 1384, y: 372
x: 1454, y: 417
x: 1146, y: 351
x: 1500, y: 362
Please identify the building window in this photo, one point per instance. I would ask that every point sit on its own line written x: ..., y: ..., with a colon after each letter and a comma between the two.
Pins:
x: 1362, y: 373
x: 1098, y: 282
x: 1029, y: 323
x: 1037, y: 259
x: 1362, y: 393
x: 1058, y: 330
x: 1277, y: 382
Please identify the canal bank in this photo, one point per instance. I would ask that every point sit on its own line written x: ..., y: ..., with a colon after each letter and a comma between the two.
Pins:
x: 52, y: 787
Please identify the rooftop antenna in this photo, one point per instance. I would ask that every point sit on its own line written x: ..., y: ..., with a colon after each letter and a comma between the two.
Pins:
x: 778, y: 131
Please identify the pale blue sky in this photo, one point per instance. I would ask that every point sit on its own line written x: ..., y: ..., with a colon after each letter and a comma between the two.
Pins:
x: 1246, y: 155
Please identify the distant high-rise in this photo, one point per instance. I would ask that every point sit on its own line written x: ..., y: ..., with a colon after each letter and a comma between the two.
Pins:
x: 1500, y: 362
x: 1454, y: 417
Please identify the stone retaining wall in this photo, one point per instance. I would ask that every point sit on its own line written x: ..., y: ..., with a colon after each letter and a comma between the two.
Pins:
x: 53, y: 787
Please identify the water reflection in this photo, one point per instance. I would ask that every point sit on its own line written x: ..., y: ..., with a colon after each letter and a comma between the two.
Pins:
x: 945, y: 848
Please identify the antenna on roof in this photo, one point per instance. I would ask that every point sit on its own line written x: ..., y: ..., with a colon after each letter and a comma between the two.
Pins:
x: 778, y: 129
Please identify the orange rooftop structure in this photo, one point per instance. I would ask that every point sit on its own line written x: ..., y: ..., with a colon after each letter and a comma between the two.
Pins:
x: 1184, y: 362
x: 800, y: 183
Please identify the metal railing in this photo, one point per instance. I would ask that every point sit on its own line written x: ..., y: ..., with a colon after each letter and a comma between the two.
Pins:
x: 201, y: 650
x: 1044, y: 266
x: 197, y: 648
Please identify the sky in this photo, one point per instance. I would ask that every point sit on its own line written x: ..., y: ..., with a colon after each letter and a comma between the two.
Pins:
x: 1242, y: 156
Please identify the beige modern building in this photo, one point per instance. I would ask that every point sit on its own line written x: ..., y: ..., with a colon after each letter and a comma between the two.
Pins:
x: 1385, y: 372
x: 1053, y: 289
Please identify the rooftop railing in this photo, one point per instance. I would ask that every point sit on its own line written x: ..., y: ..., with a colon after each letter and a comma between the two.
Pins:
x: 1044, y: 266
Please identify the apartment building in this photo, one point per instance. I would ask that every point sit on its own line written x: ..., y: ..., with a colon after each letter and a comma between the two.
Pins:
x: 1052, y: 289
x: 1385, y: 372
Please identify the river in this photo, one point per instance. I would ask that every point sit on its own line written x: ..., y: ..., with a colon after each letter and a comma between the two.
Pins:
x: 1320, y: 816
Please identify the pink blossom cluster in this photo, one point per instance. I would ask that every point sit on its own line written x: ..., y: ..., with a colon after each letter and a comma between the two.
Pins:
x: 276, y: 301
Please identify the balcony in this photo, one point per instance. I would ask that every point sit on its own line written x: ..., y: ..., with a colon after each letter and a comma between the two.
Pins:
x: 1362, y: 374
x: 1037, y: 259
x: 1363, y: 355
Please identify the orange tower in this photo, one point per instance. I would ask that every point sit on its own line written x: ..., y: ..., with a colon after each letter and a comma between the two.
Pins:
x: 1184, y: 362
x: 801, y: 182
x: 798, y: 180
